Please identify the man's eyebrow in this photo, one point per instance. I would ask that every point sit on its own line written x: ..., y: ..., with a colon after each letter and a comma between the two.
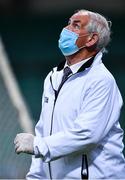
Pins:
x: 75, y: 20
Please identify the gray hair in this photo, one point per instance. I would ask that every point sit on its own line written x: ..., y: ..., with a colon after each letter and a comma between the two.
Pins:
x: 100, y: 25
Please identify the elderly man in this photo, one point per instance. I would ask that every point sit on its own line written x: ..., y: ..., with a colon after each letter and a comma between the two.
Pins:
x: 78, y: 134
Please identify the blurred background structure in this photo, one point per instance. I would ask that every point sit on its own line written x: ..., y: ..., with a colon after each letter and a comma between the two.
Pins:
x: 30, y: 30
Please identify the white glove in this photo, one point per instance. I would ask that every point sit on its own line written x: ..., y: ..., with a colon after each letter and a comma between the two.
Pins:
x: 24, y: 143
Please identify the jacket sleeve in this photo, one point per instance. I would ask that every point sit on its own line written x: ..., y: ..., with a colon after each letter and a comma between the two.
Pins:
x: 99, y: 112
x: 36, y: 171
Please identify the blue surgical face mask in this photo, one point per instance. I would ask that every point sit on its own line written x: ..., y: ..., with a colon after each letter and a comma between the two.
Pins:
x: 67, y: 42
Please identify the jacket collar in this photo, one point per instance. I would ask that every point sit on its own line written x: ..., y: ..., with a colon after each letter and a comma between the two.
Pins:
x: 82, y: 68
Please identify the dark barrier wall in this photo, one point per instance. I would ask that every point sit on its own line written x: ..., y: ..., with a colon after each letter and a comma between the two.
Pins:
x: 32, y: 46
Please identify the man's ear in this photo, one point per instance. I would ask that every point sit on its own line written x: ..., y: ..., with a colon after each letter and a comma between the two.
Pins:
x: 92, y: 40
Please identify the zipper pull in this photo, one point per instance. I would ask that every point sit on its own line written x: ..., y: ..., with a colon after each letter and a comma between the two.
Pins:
x: 84, y: 171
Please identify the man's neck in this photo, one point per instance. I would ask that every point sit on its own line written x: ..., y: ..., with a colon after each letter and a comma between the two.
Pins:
x: 80, y: 56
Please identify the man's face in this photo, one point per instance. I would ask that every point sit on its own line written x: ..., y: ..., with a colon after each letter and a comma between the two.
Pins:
x: 77, y: 23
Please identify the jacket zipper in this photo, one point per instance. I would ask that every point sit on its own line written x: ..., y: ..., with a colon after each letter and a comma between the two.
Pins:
x: 50, y: 172
x: 56, y: 95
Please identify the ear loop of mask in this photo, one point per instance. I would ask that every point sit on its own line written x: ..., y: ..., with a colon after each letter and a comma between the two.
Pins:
x: 83, y: 36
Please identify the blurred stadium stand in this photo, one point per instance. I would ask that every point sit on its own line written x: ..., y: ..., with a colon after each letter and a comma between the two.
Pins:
x: 30, y: 30
x: 60, y: 7
x: 14, y: 118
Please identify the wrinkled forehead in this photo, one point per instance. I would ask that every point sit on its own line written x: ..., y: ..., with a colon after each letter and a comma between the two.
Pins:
x: 83, y: 17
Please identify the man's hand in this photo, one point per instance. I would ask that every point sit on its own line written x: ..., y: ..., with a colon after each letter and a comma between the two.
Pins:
x: 24, y: 143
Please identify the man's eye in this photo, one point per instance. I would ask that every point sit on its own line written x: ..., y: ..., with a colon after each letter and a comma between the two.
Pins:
x: 77, y: 26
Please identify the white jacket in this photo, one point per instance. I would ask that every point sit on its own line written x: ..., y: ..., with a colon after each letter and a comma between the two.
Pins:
x: 83, y: 120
